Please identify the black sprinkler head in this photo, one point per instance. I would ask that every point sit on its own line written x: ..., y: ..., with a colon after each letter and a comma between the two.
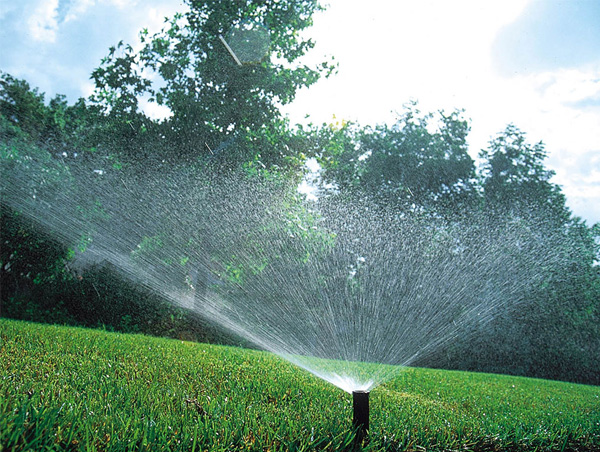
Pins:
x: 360, y: 420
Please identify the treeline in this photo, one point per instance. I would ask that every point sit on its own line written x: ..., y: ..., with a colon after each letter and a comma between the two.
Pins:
x: 421, y: 166
x: 225, y: 118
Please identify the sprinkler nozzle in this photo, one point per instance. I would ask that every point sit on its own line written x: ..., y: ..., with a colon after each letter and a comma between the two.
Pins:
x: 360, y: 420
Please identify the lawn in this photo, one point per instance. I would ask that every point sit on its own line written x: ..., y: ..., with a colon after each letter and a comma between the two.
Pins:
x: 64, y: 388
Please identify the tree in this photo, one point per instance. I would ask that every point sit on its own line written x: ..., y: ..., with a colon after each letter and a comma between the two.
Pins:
x: 554, y: 332
x: 190, y: 68
x: 25, y: 107
x: 513, y: 175
x: 61, y: 129
x: 407, y: 164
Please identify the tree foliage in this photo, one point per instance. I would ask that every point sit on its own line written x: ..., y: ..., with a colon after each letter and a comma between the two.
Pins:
x: 419, y: 162
x: 513, y: 174
x: 187, y: 67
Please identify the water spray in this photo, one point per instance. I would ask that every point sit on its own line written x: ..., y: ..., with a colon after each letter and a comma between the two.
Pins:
x: 416, y: 268
x: 360, y: 419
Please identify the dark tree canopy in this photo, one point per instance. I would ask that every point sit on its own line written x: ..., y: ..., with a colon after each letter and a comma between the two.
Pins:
x: 513, y: 174
x: 420, y: 161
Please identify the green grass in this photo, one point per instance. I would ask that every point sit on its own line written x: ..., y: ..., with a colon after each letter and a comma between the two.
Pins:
x: 76, y: 389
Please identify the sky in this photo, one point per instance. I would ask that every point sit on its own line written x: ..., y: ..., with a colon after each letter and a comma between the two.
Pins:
x: 534, y: 63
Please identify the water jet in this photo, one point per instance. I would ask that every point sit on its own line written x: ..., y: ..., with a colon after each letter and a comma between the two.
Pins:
x: 348, y: 291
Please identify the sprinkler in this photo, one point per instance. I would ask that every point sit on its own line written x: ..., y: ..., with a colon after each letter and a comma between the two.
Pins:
x: 360, y: 420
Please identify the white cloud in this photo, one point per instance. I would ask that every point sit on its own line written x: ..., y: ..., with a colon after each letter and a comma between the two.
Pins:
x: 43, y: 21
x: 571, y: 85
x: 391, y: 52
x: 123, y: 3
x: 77, y: 9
